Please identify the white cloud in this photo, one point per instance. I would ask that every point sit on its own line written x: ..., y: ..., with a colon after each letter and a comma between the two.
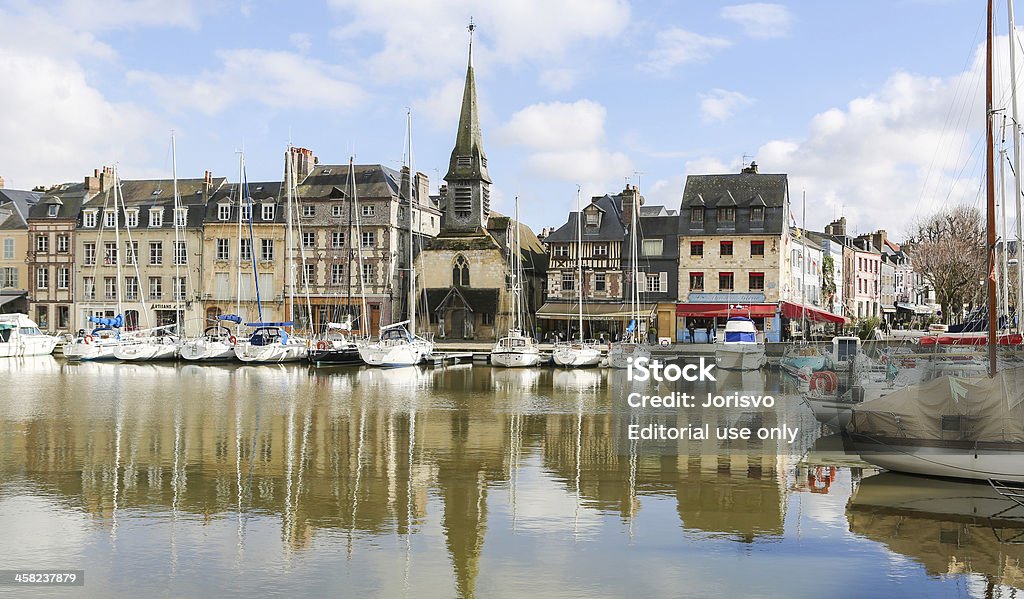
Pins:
x: 441, y: 107
x: 721, y: 104
x: 760, y: 20
x: 273, y: 78
x: 675, y: 47
x: 424, y: 40
x: 566, y: 142
x: 302, y: 41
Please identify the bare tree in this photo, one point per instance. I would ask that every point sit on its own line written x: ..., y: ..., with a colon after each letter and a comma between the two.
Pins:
x: 948, y: 249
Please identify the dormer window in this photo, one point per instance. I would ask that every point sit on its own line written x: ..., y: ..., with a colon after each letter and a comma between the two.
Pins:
x: 180, y: 217
x: 156, y: 217
x: 131, y: 219
x: 52, y: 210
x: 224, y: 211
x: 697, y: 215
x: 89, y: 219
x: 757, y: 214
x: 110, y: 218
x: 592, y: 218
x: 247, y: 210
x: 727, y: 215
x: 268, y: 212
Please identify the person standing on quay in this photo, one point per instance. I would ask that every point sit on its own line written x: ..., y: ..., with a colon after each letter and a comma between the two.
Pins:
x: 693, y: 331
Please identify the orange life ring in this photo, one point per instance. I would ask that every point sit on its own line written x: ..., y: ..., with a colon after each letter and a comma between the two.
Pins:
x: 824, y: 380
x: 88, y: 339
x: 321, y: 345
x: 232, y: 339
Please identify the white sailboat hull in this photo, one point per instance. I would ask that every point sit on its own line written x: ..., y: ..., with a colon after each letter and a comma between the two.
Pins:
x: 508, y: 358
x: 201, y: 350
x: 394, y: 355
x: 147, y: 350
x: 271, y: 354
x: 740, y: 356
x: 621, y: 354
x: 576, y: 356
x: 78, y: 350
x: 980, y: 464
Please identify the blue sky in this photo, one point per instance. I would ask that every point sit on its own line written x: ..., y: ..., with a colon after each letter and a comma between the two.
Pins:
x: 872, y: 107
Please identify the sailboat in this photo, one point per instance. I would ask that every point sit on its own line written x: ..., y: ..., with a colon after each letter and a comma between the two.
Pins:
x: 105, y: 337
x: 336, y: 343
x: 581, y: 352
x: 270, y: 342
x: 516, y: 349
x: 399, y: 345
x: 957, y: 427
x: 633, y: 344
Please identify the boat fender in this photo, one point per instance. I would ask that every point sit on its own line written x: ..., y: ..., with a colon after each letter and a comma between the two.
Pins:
x: 232, y: 339
x: 321, y: 345
x: 88, y: 339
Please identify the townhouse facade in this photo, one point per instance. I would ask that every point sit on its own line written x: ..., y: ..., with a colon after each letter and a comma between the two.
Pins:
x: 14, y: 211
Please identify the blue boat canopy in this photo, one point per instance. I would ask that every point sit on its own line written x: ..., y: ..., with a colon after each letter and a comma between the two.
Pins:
x: 116, y: 322
x: 740, y: 337
x: 268, y: 324
x: 230, y: 318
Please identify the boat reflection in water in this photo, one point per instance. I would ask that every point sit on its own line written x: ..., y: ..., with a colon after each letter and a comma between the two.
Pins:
x: 951, y: 528
x: 284, y: 481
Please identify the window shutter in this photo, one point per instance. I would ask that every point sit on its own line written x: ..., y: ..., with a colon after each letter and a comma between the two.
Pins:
x: 663, y: 282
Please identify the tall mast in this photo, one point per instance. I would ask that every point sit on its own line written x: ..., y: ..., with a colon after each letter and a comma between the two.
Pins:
x: 990, y: 197
x: 803, y: 270
x: 516, y: 308
x: 412, y: 265
x: 288, y: 234
x: 1002, y: 261
x: 1017, y: 173
x: 634, y: 257
x: 357, y: 244
x: 177, y: 272
x: 238, y: 269
x: 579, y: 256
x: 117, y: 240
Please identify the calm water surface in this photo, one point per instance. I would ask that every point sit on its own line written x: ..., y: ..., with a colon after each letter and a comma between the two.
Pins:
x: 279, y: 481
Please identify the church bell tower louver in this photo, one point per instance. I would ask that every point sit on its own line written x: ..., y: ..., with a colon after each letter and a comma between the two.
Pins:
x: 467, y: 202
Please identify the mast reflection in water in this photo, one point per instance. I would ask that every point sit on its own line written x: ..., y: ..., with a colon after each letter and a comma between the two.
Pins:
x: 467, y: 481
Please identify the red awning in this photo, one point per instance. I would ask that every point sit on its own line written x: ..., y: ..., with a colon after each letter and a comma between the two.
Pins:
x: 724, y: 310
x: 970, y: 339
x: 791, y: 310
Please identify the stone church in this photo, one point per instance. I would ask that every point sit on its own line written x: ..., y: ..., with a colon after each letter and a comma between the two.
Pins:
x: 464, y: 271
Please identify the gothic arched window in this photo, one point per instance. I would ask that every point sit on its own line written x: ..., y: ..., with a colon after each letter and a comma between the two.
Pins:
x: 460, y: 272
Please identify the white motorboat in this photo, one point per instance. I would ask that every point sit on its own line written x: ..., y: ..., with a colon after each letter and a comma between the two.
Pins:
x: 514, y: 351
x: 740, y: 349
x: 20, y: 336
x: 270, y: 343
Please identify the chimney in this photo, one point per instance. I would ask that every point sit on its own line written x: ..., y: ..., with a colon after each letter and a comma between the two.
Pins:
x: 836, y: 227
x: 207, y: 184
x: 304, y: 162
x: 106, y: 178
x: 750, y: 170
x: 631, y: 200
x: 422, y: 188
x: 92, y: 183
x: 1, y: 182
x: 878, y: 238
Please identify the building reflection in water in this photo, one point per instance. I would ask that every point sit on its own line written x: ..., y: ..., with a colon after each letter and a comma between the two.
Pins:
x: 352, y: 457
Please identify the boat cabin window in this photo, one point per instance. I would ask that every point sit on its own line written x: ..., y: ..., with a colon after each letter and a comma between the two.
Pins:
x: 955, y: 427
x: 5, y: 335
x: 29, y: 331
x: 395, y: 334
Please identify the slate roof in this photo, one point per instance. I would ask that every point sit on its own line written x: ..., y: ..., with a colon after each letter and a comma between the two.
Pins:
x: 68, y: 196
x: 611, y: 227
x: 740, y: 191
x: 261, y: 192
x: 146, y: 194
x: 21, y: 201
x: 331, y: 181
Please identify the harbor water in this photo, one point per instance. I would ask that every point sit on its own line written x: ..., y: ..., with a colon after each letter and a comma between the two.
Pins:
x: 285, y: 481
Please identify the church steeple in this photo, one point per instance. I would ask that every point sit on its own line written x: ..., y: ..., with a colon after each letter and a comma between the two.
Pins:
x: 468, y: 201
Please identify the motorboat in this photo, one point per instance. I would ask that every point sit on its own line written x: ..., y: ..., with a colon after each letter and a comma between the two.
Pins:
x: 740, y: 349
x: 20, y: 336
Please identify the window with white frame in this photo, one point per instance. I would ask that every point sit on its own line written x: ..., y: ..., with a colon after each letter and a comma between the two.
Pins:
x: 53, y: 210
x: 337, y: 239
x: 268, y: 212
x: 337, y: 274
x: 568, y: 281
x: 655, y: 282
x: 110, y: 253
x: 308, y: 240
x: 89, y: 253
x: 156, y: 287
x: 89, y: 219
x: 110, y: 218
x: 368, y: 210
x: 653, y: 247
x: 156, y: 217
x: 180, y: 253
x: 600, y: 250
x: 156, y: 253
x: 8, y: 248
x: 110, y: 288
x: 42, y: 243
x: 266, y: 250
x: 247, y: 210
x: 131, y: 288
x: 180, y: 217
x: 131, y: 218
x: 178, y: 287
x: 367, y: 274
x: 90, y: 287
x: 9, y: 277
x: 131, y: 252
x: 245, y: 250
x: 223, y: 211
x: 369, y: 239
x: 308, y: 211
x: 62, y: 244
x: 63, y: 277
x: 222, y: 249
x: 336, y: 211
x: 560, y: 250
x: 309, y: 274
